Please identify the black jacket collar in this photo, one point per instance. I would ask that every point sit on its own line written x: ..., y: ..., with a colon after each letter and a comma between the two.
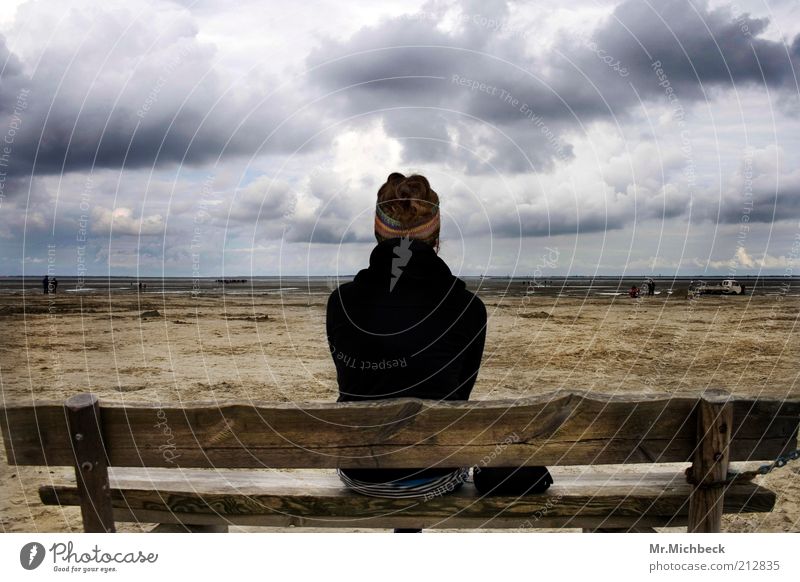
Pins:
x: 413, y: 265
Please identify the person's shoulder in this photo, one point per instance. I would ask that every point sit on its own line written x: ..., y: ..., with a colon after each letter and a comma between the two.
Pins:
x: 341, y: 293
x: 477, y: 306
x: 471, y: 303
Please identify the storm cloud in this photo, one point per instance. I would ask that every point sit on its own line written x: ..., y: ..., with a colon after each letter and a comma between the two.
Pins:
x: 271, y: 129
x: 120, y: 85
x: 451, y: 94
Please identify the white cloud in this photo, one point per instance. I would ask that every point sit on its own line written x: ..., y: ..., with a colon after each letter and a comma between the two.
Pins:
x: 122, y: 221
x: 743, y: 260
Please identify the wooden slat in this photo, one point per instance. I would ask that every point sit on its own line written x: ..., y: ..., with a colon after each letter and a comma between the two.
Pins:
x: 181, y: 528
x: 710, y: 465
x: 91, y: 465
x: 634, y: 529
x: 553, y: 429
x: 318, y: 499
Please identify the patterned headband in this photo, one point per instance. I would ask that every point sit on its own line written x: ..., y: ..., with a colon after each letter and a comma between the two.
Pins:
x: 387, y: 227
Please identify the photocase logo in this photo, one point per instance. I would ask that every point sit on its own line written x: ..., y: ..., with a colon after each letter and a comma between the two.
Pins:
x: 402, y: 254
x: 31, y: 555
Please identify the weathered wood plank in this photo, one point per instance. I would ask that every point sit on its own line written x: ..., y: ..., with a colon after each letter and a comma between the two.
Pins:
x: 552, y: 429
x: 710, y: 464
x: 403, y: 520
x: 188, y: 528
x: 318, y: 499
x: 91, y: 466
x: 633, y: 529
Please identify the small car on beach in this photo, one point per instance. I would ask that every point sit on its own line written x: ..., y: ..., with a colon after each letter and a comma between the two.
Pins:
x: 726, y: 287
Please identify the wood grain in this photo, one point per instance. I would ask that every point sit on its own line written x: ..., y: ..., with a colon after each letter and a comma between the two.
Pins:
x: 318, y: 499
x: 91, y: 466
x: 710, y: 464
x: 562, y: 428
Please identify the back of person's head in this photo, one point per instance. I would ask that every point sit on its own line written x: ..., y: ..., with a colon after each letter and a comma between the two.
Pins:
x: 407, y: 207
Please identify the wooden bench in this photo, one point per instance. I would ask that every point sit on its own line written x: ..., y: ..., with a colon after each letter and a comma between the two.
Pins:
x: 214, y: 464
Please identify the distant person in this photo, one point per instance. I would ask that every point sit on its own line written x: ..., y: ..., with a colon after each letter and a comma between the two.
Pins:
x: 651, y: 287
x: 46, y: 285
x: 634, y: 292
x: 54, y: 284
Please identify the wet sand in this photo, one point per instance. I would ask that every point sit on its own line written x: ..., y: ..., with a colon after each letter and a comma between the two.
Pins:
x: 266, y: 347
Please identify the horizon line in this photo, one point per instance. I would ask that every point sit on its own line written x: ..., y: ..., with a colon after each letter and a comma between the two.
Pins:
x: 507, y: 276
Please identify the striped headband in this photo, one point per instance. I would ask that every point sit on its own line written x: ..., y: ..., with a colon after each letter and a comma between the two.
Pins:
x: 387, y: 227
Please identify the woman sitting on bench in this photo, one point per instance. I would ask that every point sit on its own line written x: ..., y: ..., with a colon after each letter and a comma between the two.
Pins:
x: 405, y: 327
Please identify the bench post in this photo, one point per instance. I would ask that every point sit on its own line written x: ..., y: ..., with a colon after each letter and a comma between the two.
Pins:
x: 710, y: 463
x: 91, y: 463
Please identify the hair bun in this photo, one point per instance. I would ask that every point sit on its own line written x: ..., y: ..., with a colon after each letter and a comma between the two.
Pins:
x: 409, y: 202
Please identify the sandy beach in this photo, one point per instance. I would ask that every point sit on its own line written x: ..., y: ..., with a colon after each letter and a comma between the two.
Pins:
x: 173, y: 347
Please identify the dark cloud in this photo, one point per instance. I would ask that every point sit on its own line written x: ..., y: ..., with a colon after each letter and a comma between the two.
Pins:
x: 112, y: 87
x: 698, y: 48
x: 426, y: 85
x: 408, y: 70
x: 146, y: 91
x: 140, y: 90
x: 11, y: 78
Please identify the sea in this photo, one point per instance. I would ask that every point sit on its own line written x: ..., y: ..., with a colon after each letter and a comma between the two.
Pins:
x: 575, y: 286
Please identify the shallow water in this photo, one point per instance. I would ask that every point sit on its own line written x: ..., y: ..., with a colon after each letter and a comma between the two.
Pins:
x: 298, y: 286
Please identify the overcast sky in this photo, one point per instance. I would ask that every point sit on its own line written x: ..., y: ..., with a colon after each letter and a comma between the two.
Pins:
x: 249, y: 138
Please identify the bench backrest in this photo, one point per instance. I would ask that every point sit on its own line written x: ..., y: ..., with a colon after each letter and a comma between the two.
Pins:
x: 561, y: 428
